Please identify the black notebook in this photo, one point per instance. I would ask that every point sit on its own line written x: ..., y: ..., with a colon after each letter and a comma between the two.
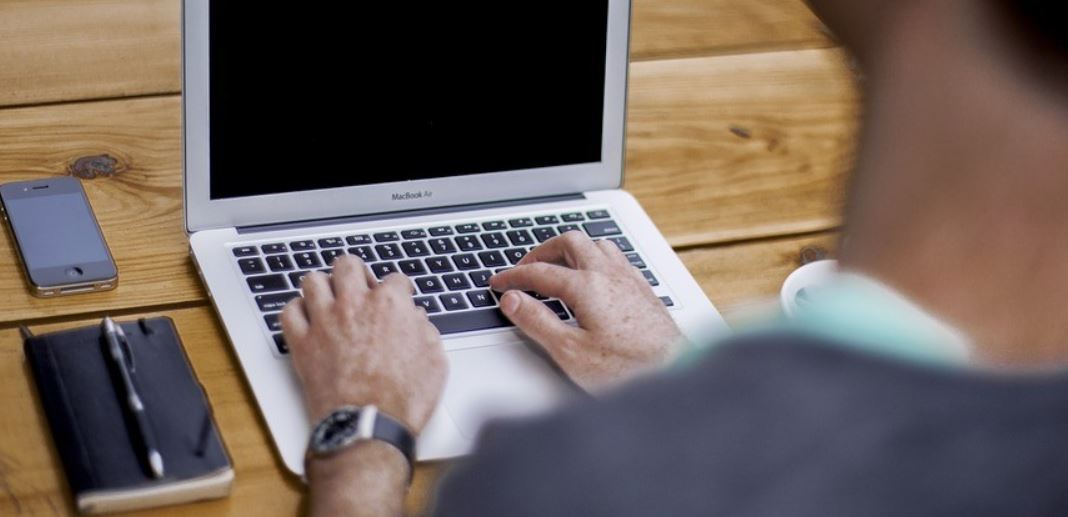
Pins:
x: 92, y: 432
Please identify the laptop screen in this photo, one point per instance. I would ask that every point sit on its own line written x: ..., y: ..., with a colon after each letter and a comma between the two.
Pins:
x: 345, y: 94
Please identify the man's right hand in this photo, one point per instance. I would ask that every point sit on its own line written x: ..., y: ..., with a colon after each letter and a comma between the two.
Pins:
x: 624, y: 327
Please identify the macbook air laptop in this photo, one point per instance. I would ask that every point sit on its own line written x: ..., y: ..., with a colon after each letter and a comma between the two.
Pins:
x: 442, y: 141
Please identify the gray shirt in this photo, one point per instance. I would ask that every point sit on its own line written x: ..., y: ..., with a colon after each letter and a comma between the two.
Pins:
x: 782, y: 425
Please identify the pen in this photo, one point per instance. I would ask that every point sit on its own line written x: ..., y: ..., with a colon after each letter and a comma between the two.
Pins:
x: 144, y: 440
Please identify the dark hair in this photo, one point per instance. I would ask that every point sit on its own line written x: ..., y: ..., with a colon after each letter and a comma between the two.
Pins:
x: 1042, y: 21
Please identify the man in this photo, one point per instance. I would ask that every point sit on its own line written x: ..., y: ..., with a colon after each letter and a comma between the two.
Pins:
x: 955, y: 226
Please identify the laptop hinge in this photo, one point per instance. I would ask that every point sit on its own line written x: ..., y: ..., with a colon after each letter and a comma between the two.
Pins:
x: 405, y: 213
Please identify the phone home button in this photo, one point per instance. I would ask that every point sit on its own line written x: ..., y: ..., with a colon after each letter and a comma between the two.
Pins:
x: 75, y: 272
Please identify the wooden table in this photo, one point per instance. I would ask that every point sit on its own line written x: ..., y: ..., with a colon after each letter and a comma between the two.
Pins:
x: 741, y: 126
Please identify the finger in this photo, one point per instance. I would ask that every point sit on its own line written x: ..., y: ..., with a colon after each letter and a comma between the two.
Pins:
x: 294, y: 322
x: 547, y: 279
x: 349, y: 279
x: 397, y: 285
x: 612, y: 251
x: 538, y: 322
x: 573, y: 249
x: 318, y: 295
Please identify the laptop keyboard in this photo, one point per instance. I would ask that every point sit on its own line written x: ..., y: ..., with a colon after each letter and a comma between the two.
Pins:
x: 450, y: 266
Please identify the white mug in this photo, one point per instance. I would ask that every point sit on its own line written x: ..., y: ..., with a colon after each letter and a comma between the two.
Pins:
x: 808, y: 276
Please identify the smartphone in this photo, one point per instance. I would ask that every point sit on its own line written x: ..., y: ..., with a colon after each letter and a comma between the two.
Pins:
x: 59, y: 242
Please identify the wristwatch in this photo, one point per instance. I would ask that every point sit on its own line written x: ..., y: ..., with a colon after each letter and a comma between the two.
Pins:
x: 348, y: 425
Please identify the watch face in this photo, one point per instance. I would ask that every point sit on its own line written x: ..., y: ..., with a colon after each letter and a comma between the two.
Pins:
x: 336, y: 430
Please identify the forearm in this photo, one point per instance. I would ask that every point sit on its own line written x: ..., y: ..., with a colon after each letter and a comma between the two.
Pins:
x: 369, y: 479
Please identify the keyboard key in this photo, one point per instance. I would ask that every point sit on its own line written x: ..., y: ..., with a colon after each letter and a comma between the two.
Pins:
x: 623, y: 244
x: 649, y: 276
x: 668, y: 302
x: 536, y: 295
x: 484, y: 319
x: 364, y: 252
x: 481, y: 298
x: 439, y: 265
x: 520, y: 238
x: 412, y: 267
x: 547, y: 219
x: 245, y: 251
x: 274, y: 248
x: 558, y: 308
x: 307, y: 260
x: 280, y: 344
x: 297, y: 278
x: 274, y: 323
x: 302, y: 245
x: 494, y: 240
x: 456, y: 282
x: 389, y: 251
x: 465, y: 262
x: 453, y: 301
x: 416, y: 249
x: 358, y: 240
x: 429, y: 284
x: 544, y: 233
x: 329, y: 256
x: 573, y: 217
x: 636, y: 261
x: 428, y: 303
x: 522, y: 222
x: 564, y: 228
x: 515, y: 255
x: 413, y: 234
x: 383, y: 269
x: 598, y: 214
x: 332, y: 242
x: 275, y: 302
x: 442, y: 246
x: 602, y: 228
x: 387, y: 237
x: 468, y: 243
x: 492, y: 259
x: 467, y: 228
x: 267, y: 283
x: 494, y: 226
x: 279, y: 263
x: 480, y: 278
x: 441, y: 231
x: 251, y: 266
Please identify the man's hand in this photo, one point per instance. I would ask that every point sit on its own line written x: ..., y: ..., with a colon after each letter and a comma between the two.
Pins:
x: 625, y: 328
x: 357, y: 342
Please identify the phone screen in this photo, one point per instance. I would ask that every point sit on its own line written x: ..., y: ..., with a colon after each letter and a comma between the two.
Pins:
x: 55, y: 230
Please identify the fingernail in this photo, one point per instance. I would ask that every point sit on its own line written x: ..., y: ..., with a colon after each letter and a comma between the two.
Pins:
x: 510, y: 302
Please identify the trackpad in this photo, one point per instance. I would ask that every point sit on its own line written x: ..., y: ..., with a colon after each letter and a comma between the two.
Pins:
x: 499, y: 382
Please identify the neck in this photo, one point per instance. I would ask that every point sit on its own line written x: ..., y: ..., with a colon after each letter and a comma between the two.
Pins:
x: 961, y: 196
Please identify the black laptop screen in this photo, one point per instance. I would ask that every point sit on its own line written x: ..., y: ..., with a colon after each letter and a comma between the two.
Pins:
x: 334, y: 94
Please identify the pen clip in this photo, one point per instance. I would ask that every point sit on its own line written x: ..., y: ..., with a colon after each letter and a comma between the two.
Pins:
x: 126, y: 349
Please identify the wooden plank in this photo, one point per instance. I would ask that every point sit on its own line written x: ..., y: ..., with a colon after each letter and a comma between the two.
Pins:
x: 139, y: 208
x: 63, y: 50
x: 737, y: 147
x: 32, y: 478
x: 734, y: 276
x: 673, y: 28
x: 700, y: 182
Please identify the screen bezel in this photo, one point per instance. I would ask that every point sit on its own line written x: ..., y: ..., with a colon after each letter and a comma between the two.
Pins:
x: 56, y: 276
x: 202, y: 212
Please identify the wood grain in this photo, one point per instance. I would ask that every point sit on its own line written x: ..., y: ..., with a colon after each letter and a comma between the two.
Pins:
x: 64, y: 50
x: 701, y: 182
x: 32, y: 482
x: 139, y: 209
x: 673, y: 28
x: 737, y: 147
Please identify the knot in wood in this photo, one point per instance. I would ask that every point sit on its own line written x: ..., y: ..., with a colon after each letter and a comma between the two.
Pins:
x: 98, y: 166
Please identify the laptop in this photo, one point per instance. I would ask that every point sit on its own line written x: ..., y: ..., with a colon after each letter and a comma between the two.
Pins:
x: 441, y: 141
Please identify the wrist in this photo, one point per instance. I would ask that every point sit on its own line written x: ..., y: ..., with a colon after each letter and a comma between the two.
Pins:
x: 369, y: 476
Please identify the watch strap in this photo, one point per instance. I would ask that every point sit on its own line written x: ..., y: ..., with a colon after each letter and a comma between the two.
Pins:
x: 371, y: 424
